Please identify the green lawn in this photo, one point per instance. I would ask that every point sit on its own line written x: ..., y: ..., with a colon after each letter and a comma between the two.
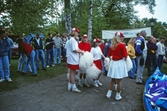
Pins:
x: 19, y: 80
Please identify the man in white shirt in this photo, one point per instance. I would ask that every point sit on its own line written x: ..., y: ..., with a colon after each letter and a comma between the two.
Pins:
x: 160, y: 52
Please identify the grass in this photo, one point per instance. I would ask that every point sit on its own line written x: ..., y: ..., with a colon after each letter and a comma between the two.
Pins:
x: 19, y: 80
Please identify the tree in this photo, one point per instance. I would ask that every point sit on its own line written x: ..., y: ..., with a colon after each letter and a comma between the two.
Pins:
x: 25, y: 16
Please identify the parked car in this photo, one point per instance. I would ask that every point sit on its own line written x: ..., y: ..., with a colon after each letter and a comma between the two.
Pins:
x: 15, y: 51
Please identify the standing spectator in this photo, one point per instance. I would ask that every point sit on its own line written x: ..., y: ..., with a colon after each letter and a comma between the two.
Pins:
x: 4, y: 60
x: 131, y: 53
x: 39, y: 53
x: 161, y: 52
x: 11, y: 45
x: 141, y: 54
x: 25, y: 48
x: 84, y: 45
x: 97, y: 55
x: 73, y: 59
x: 57, y: 48
x: 151, y: 55
x: 117, y: 68
x: 49, y: 46
x: 64, y: 40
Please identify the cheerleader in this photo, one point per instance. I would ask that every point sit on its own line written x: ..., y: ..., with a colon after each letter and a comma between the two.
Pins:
x: 73, y: 59
x: 97, y: 54
x: 117, y: 68
x: 85, y: 46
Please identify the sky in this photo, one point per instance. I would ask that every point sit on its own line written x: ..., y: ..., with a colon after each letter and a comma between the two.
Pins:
x: 160, y: 11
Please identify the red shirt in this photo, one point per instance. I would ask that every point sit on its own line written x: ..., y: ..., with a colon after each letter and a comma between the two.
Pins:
x: 118, y: 53
x: 85, y: 46
x: 25, y: 48
x: 102, y: 46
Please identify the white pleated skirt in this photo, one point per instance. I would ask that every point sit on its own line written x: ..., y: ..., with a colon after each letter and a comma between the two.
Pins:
x: 117, y: 69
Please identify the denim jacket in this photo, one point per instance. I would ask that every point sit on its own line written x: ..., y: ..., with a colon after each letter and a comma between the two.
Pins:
x: 4, y: 47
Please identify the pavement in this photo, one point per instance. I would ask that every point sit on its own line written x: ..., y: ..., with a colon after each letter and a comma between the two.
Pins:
x: 52, y: 95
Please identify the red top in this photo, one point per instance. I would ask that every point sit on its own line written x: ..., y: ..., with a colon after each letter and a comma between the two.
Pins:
x: 85, y: 46
x: 118, y: 53
x: 25, y: 49
x: 102, y: 46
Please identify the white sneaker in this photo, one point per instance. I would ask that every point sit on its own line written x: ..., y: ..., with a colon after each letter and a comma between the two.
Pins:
x: 1, y: 80
x: 53, y: 65
x: 108, y: 95
x: 75, y: 89
x: 98, y: 82
x: 9, y: 79
x: 69, y: 87
x: 118, y: 96
x: 95, y: 84
x: 80, y: 83
x: 47, y: 66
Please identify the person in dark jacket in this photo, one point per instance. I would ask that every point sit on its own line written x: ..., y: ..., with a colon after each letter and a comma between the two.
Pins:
x: 25, y: 48
x: 39, y: 53
x: 4, y: 60
x: 49, y: 45
x: 151, y: 55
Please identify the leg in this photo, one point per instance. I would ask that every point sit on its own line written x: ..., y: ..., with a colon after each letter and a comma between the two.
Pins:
x: 118, y: 93
x: 32, y: 56
x: 109, y: 92
x: 6, y: 68
x: 2, y: 76
x: 72, y: 81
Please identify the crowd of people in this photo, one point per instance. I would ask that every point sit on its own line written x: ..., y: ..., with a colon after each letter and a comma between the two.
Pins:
x: 143, y: 53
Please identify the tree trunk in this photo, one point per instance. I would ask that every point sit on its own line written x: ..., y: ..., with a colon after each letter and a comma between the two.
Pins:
x: 90, y: 21
x: 68, y: 16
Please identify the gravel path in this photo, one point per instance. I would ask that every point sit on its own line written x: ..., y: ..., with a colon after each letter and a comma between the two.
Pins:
x: 52, y: 95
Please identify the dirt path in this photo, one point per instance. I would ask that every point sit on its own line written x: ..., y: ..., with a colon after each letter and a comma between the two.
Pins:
x: 52, y: 95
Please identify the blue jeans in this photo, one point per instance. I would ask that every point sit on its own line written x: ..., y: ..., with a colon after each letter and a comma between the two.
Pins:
x: 131, y: 73
x: 39, y: 55
x: 57, y: 55
x: 49, y: 56
x: 23, y: 60
x: 10, y: 55
x: 4, y: 67
x: 151, y: 64
x: 160, y: 61
x: 31, y: 59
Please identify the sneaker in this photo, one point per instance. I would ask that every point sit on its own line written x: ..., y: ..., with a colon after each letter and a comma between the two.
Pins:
x: 76, y: 89
x: 47, y: 66
x: 95, y: 84
x: 108, y: 95
x: 80, y: 83
x: 98, y: 82
x: 53, y: 65
x: 2, y: 80
x: 118, y: 96
x: 86, y: 84
x: 9, y: 79
x: 69, y: 87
